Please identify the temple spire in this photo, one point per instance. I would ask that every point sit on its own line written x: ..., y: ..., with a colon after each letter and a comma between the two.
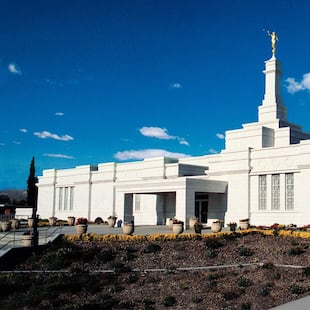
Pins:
x: 272, y: 107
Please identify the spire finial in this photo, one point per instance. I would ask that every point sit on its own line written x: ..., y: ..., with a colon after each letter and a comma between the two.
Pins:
x: 274, y: 39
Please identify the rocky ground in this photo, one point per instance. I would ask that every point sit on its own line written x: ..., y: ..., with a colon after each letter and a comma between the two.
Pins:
x: 149, y: 275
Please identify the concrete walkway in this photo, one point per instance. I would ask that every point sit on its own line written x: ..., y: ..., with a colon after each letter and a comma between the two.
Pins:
x: 14, y: 238
x: 139, y: 230
x: 299, y: 304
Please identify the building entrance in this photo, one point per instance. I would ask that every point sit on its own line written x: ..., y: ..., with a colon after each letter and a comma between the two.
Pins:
x: 201, y: 207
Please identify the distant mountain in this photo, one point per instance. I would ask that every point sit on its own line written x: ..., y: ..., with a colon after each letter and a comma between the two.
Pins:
x: 15, y: 194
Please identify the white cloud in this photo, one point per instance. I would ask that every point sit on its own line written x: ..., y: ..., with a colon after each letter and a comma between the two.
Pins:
x: 47, y: 134
x: 24, y: 130
x: 59, y: 114
x: 54, y: 83
x: 14, y: 69
x: 156, y: 132
x: 147, y: 153
x: 220, y: 136
x: 183, y: 141
x: 213, y: 151
x: 2, y: 144
x: 293, y: 86
x: 160, y: 133
x: 59, y: 156
x: 176, y: 85
x: 16, y: 142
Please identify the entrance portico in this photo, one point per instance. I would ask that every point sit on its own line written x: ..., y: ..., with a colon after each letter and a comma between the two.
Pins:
x: 152, y: 202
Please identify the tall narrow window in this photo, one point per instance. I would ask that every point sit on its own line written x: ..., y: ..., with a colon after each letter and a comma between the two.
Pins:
x: 262, y: 192
x: 71, y: 198
x: 60, y: 199
x: 289, y: 191
x: 137, y: 202
x: 275, y: 192
x: 66, y: 198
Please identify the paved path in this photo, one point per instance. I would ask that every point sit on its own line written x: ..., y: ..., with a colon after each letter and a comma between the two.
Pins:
x: 139, y: 230
x: 14, y: 238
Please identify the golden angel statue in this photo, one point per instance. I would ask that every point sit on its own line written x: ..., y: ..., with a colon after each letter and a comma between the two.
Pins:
x: 274, y: 39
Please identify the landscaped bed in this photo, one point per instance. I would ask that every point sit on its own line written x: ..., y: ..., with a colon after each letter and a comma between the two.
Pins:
x: 247, y: 270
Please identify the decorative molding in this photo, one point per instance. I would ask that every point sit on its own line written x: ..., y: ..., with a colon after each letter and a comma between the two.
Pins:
x: 269, y: 172
x: 306, y: 166
x: 220, y: 173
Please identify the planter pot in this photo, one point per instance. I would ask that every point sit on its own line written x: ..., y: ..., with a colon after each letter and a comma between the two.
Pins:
x: 216, y: 227
x: 111, y: 222
x: 81, y: 228
x: 27, y: 240
x: 244, y: 224
x: 5, y: 226
x: 14, y: 224
x: 177, y: 228
x: 128, y: 228
x: 71, y: 220
x: 232, y: 227
x: 30, y: 222
x: 31, y: 239
x: 198, y: 229
x: 52, y: 221
x: 170, y: 223
x: 192, y: 222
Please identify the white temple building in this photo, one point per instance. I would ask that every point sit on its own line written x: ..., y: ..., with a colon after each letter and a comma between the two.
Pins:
x: 262, y: 174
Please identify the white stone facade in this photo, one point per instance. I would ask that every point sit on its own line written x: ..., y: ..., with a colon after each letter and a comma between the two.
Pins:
x: 262, y: 174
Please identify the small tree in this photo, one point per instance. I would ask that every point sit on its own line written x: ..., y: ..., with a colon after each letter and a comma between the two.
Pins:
x: 32, y: 198
x: 32, y: 190
x: 4, y: 199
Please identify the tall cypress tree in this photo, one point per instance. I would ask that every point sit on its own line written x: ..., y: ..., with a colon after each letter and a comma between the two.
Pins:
x: 32, y: 190
x: 32, y: 198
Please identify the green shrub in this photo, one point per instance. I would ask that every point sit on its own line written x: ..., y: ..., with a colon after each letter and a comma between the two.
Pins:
x: 170, y: 301
x: 244, y: 251
x: 296, y: 289
x: 211, y: 280
x: 125, y: 305
x: 152, y: 248
x: 98, y: 220
x: 294, y: 242
x: 106, y: 256
x: 246, y: 306
x: 211, y: 254
x: 148, y: 304
x: 306, y: 271
x: 230, y: 294
x: 263, y: 291
x: 268, y: 266
x: 275, y: 232
x: 230, y: 237
x: 243, y: 282
x: 295, y: 251
x: 133, y: 278
x: 130, y: 256
x: 117, y: 288
x: 213, y: 244
x: 276, y: 276
x: 196, y: 300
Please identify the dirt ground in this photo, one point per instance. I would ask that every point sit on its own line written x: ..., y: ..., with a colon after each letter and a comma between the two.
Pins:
x: 267, y: 271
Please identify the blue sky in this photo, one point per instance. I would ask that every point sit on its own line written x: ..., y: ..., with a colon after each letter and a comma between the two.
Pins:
x: 87, y: 82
